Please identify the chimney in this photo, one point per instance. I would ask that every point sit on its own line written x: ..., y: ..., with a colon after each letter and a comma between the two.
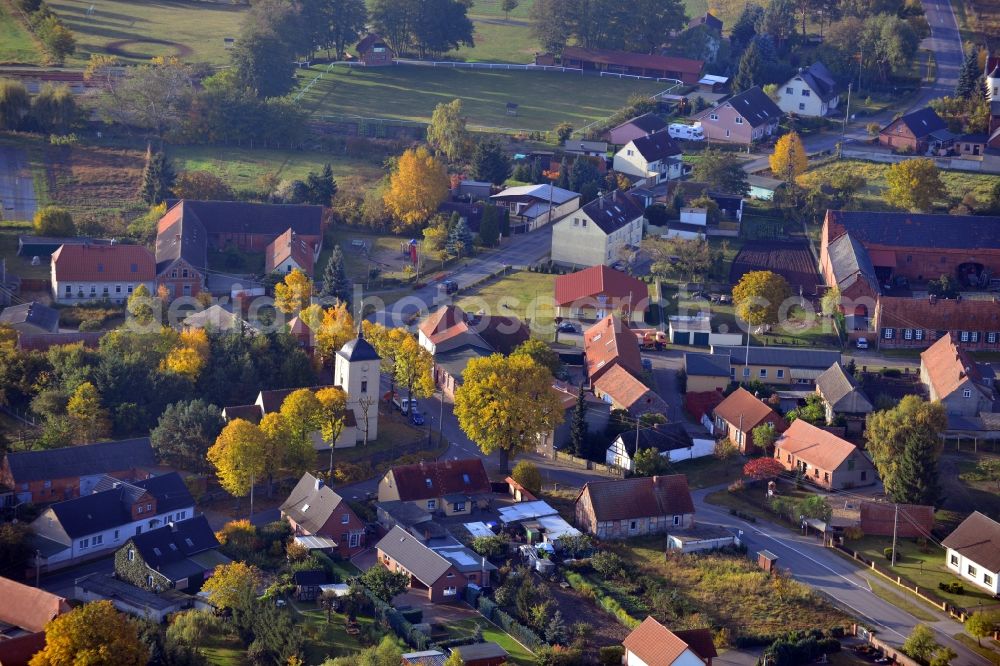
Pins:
x: 319, y: 484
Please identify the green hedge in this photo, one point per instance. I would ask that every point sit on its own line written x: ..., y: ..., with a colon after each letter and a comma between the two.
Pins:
x: 398, y: 623
x: 491, y: 611
x: 608, y: 603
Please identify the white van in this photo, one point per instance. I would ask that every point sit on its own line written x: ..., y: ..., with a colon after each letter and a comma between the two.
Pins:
x: 686, y: 132
x: 403, y: 403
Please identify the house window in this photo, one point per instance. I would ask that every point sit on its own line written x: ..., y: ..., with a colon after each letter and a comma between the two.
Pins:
x: 732, y: 372
x: 918, y: 334
x: 118, y: 289
x: 991, y: 337
x: 974, y: 336
x: 788, y: 457
x: 907, y: 333
x: 739, y: 120
x: 450, y: 591
x: 173, y: 273
x: 181, y: 515
x: 431, y: 504
x: 47, y: 484
x: 139, y: 510
x: 69, y: 289
x: 364, y: 386
x: 965, y: 336
x: 816, y: 472
x: 355, y: 540
x: 98, y: 540
x: 633, y: 525
x: 727, y: 133
x: 972, y: 571
x: 629, y: 152
x: 116, y: 535
x: 967, y: 393
x: 805, y: 92
x: 713, y: 116
x: 130, y: 289
x: 746, y: 372
x: 149, y: 580
x: 826, y: 477
x: 954, y: 559
x: 459, y: 506
x: 105, y: 290
x: 451, y: 574
x: 184, y: 273
x: 149, y: 507
x: 988, y: 579
x: 763, y: 373
x: 781, y: 374
x: 344, y: 519
x: 864, y: 475
x: 789, y: 91
x: 802, y: 106
x: 677, y: 520
x: 888, y: 333
x: 131, y: 555
x: 850, y: 465
x: 84, y: 544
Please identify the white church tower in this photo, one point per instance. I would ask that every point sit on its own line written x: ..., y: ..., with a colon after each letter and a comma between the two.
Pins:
x: 356, y: 370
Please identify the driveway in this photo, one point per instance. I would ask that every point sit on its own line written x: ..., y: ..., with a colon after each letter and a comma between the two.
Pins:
x: 17, y: 188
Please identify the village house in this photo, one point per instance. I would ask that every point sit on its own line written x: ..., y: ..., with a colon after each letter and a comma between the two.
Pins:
x: 622, y: 62
x: 486, y: 653
x: 652, y: 644
x: 598, y: 232
x: 812, y: 91
x: 597, y: 416
x: 451, y: 487
x: 823, y: 458
x: 177, y: 556
x: 598, y: 291
x: 614, y: 366
x: 955, y: 379
x: 315, y: 509
x: 127, y: 598
x: 579, y: 148
x: 23, y: 615
x: 706, y: 372
x: 973, y: 551
x: 54, y: 475
x: 429, y: 572
x: 737, y: 416
x: 917, y: 132
x: 623, y: 508
x: 373, y: 51
x: 882, y: 263
x: 270, y: 401
x: 671, y: 440
x: 217, y: 318
x: 181, y: 253
x: 78, y: 529
x: 287, y: 253
x: 30, y: 318
x: 636, y: 128
x: 777, y: 365
x: 88, y: 273
x: 533, y: 206
x: 654, y: 158
x: 843, y: 397
x: 745, y: 118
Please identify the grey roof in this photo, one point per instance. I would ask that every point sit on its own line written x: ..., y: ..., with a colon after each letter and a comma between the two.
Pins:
x: 820, y: 80
x: 647, y: 122
x: 184, y: 239
x: 108, y: 508
x: 218, y: 318
x: 850, y: 262
x: 541, y: 192
x: 977, y: 538
x: 404, y: 513
x: 792, y: 357
x: 238, y: 217
x: 311, y: 506
x: 706, y: 365
x: 168, y: 549
x: 662, y: 437
x: 476, y: 651
x: 465, y: 559
x: 923, y: 122
x: 111, y: 588
x: 840, y: 390
x: 657, y: 146
x: 423, y: 563
x: 81, y: 460
x: 612, y: 211
x: 454, y: 361
x: 574, y: 146
x: 755, y: 106
x: 921, y: 230
x: 359, y: 349
x: 33, y: 313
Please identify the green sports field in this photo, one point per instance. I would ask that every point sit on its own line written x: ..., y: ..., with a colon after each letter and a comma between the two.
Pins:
x: 407, y: 92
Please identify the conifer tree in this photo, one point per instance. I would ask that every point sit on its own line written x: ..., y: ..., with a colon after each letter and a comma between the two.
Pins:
x: 917, y: 478
x: 968, y: 77
x: 563, y: 180
x: 555, y: 631
x: 157, y: 178
x: 336, y: 284
x: 459, y: 239
x: 578, y: 428
x: 748, y: 73
x: 321, y: 187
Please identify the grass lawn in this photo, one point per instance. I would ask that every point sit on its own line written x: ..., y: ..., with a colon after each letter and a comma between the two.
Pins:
x: 499, y: 40
x: 324, y: 639
x: 525, y: 295
x: 957, y: 183
x: 900, y: 598
x: 922, y: 568
x: 224, y: 651
x: 976, y: 491
x: 136, y: 31
x: 384, y: 253
x: 16, y: 43
x: 411, y: 93
x: 491, y: 632
x: 392, y: 432
x: 242, y: 167
x: 9, y: 231
x: 984, y: 650
x: 708, y: 470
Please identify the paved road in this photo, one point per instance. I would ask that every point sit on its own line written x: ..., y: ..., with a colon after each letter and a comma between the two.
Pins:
x: 520, y: 250
x: 17, y: 190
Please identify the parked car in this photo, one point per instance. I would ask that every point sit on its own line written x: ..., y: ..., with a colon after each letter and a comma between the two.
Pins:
x: 862, y: 343
x: 450, y: 286
x: 416, y: 417
x: 567, y: 327
x: 403, y: 404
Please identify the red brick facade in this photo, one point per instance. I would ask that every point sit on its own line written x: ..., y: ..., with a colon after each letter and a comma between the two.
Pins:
x: 181, y: 279
x: 47, y: 491
x: 336, y: 529
x: 437, y: 592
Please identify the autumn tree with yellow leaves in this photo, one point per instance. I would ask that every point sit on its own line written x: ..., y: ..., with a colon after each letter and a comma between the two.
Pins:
x: 233, y: 585
x: 191, y: 354
x: 416, y: 188
x: 89, y: 421
x: 293, y: 294
x: 915, y: 185
x: 239, y: 457
x: 332, y: 328
x: 95, y: 633
x: 789, y: 159
x: 332, y: 416
x: 414, y: 368
x: 386, y: 342
x: 758, y: 296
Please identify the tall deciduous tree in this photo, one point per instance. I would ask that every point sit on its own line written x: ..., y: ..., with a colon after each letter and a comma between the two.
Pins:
x: 54, y: 109
x: 342, y: 22
x: 88, y: 418
x: 293, y: 294
x: 95, y: 633
x: 185, y: 432
x: 417, y: 187
x: 15, y: 104
x: 141, y: 305
x: 540, y: 352
x: 447, y: 133
x: 508, y: 6
x: 506, y: 403
x: 414, y: 368
x: 889, y: 433
x: 332, y: 328
x: 154, y: 96
x: 238, y: 456
x: 914, y: 184
x: 202, y: 185
x: 332, y: 415
x: 233, y: 586
x: 789, y: 159
x: 759, y: 295
x: 383, y: 583
x: 263, y: 57
x: 336, y: 284
x: 920, y: 644
x: 722, y: 171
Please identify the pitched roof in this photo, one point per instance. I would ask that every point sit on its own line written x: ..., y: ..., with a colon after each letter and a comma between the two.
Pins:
x: 271, y: 399
x: 311, y: 503
x: 543, y: 193
x: 81, y: 460
x: 919, y: 230
x: 755, y: 107
x: 654, y: 644
x: 656, y: 146
x: 637, y: 60
x: 104, y: 263
x: 638, y: 497
x: 370, y: 40
x: 180, y: 235
x: 611, y: 212
x: 851, y: 262
x: 610, y: 342
x: 627, y: 390
x: 476, y: 651
x: 700, y: 641
x: 444, y: 323
x: 706, y: 365
x: 45, y: 341
x: 948, y: 366
x: 238, y: 217
x: 358, y: 349
x: 168, y: 549
x: 662, y: 437
x: 33, y: 313
x: 577, y: 146
x: 922, y: 122
x: 423, y: 563
x: 288, y: 245
x: 109, y: 506
x: 792, y: 357
x: 252, y: 413
x: 502, y: 334
x: 843, y: 393
x: 942, y: 314
x: 217, y: 317
x: 820, y: 80
x: 978, y: 539
x: 816, y: 446
x: 647, y: 122
x: 601, y: 281
x: 29, y: 608
x: 437, y: 479
x: 742, y: 403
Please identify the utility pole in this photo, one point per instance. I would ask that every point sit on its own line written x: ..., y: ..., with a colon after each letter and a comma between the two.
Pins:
x: 847, y: 115
x: 895, y: 526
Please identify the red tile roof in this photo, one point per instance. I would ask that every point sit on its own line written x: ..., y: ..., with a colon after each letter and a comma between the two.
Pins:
x: 742, y: 403
x: 288, y: 245
x: 814, y: 445
x: 609, y: 342
x: 947, y: 366
x: 656, y: 645
x: 447, y: 322
x: 602, y: 282
x: 638, y: 497
x: 637, y: 60
x: 437, y: 479
x: 941, y: 315
x: 104, y: 263
x: 626, y: 390
x: 28, y: 607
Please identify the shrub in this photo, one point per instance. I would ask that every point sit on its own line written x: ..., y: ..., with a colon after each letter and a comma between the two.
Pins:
x: 607, y: 564
x: 54, y: 221
x: 887, y: 553
x: 611, y: 655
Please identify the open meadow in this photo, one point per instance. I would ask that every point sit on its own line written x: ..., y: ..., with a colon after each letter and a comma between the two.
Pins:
x: 410, y: 93
x: 16, y: 44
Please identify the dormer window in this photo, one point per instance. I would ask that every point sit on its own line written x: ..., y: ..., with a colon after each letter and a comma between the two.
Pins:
x: 967, y: 393
x: 739, y: 120
x: 305, y: 507
x: 157, y: 552
x: 189, y: 543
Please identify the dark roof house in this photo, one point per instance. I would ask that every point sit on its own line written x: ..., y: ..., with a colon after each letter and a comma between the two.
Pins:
x: 656, y: 147
x: 622, y: 499
x: 76, y: 461
x: 755, y: 107
x: 613, y: 211
x: 177, y: 554
x: 663, y: 437
x: 30, y: 318
x: 639, y: 126
x: 841, y: 392
x: 423, y: 481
